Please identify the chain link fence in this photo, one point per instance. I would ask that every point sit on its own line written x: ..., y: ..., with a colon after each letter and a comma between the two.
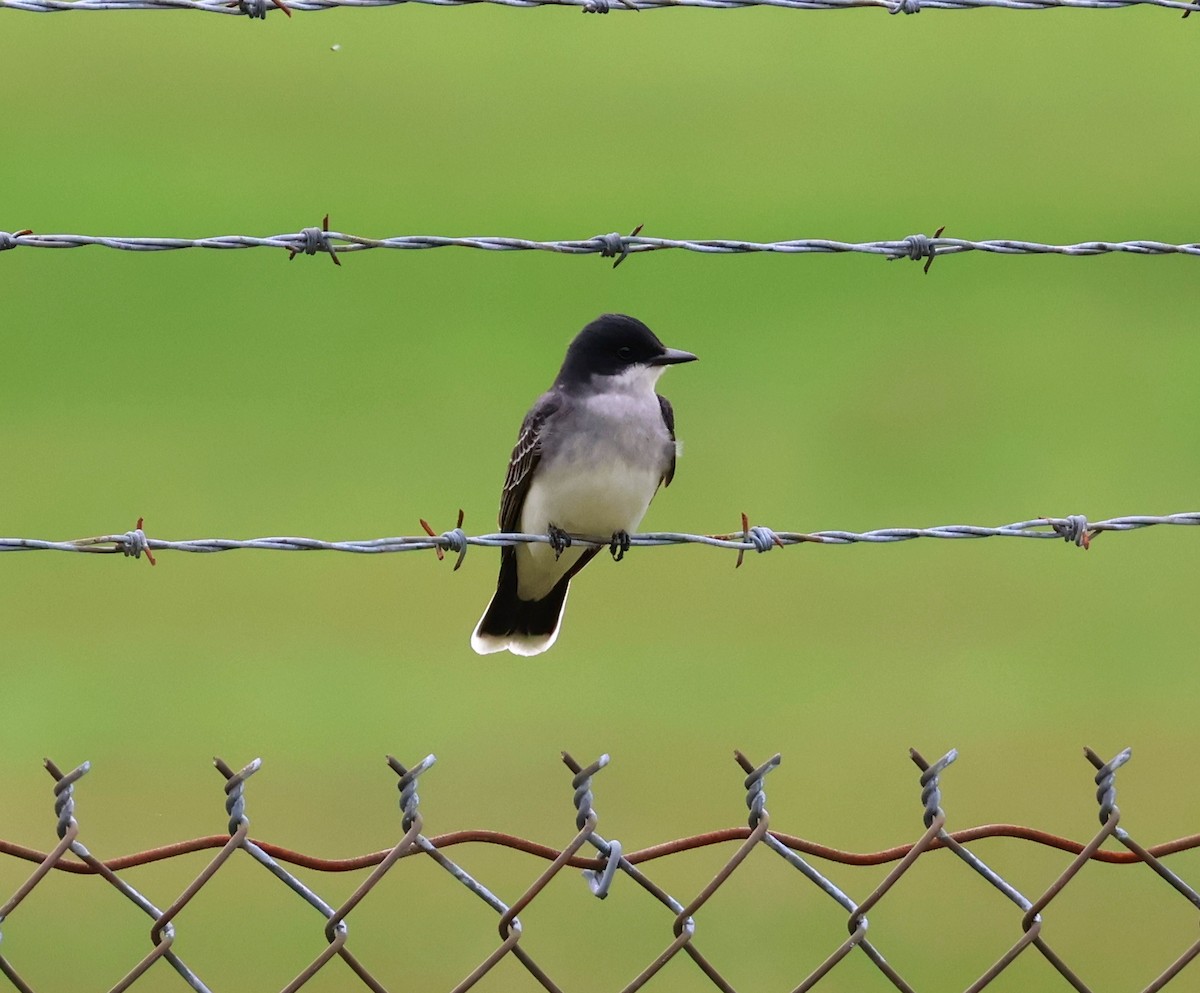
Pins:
x: 607, y: 867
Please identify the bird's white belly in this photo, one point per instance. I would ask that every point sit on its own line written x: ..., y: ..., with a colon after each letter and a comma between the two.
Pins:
x: 589, y: 497
x: 595, y: 497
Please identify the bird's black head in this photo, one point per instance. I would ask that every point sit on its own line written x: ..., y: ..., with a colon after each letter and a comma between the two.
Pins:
x: 613, y: 344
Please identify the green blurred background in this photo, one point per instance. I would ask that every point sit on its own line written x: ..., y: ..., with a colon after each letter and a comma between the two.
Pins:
x: 235, y: 394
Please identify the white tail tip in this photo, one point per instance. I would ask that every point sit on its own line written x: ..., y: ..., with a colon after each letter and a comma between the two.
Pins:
x: 519, y: 644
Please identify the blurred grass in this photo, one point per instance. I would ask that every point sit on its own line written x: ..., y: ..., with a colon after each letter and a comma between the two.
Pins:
x: 236, y: 394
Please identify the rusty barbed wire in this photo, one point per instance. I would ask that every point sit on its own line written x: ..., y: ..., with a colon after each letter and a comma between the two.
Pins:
x: 1075, y: 529
x: 611, y: 863
x: 617, y: 246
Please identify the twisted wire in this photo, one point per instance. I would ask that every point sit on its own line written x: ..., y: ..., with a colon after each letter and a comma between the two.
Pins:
x: 1074, y: 529
x: 410, y: 800
x: 931, y: 786
x: 235, y: 794
x: 599, y: 881
x: 1106, y: 784
x: 756, y: 795
x: 312, y: 240
x: 64, y: 797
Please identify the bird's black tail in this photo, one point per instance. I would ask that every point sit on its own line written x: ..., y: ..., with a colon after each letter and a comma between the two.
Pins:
x: 524, y: 627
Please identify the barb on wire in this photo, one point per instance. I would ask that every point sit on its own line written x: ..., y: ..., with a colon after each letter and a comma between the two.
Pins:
x: 455, y: 538
x: 918, y: 246
x: 312, y: 240
x: 1075, y: 529
x: 259, y: 8
x: 315, y: 239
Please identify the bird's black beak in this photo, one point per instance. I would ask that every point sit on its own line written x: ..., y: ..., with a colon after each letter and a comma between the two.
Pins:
x: 673, y: 356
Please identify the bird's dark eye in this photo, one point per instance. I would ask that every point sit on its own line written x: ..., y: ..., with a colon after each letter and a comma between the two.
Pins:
x: 625, y: 352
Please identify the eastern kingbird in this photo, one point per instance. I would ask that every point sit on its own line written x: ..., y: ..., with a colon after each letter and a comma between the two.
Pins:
x: 591, y: 454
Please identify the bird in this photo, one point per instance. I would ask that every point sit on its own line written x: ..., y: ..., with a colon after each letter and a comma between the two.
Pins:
x: 592, y: 452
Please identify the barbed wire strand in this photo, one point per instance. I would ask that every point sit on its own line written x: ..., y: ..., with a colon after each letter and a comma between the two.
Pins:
x: 600, y: 872
x: 1074, y: 529
x: 258, y: 9
x: 319, y: 240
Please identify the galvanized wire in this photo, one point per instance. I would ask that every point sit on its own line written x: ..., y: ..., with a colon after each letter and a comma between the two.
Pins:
x: 319, y: 240
x: 259, y: 8
x: 612, y: 863
x: 1075, y: 529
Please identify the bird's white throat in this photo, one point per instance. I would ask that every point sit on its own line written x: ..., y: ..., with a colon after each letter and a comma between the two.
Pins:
x: 637, y: 380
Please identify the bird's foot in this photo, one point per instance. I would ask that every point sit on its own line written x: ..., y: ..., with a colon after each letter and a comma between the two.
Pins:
x: 619, y: 545
x: 560, y: 541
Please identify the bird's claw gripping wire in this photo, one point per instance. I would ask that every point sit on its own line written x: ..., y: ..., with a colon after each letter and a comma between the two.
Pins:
x: 619, y: 545
x: 560, y: 541
x: 257, y: 9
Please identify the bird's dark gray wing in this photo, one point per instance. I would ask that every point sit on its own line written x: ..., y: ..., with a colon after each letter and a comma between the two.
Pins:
x: 525, y: 456
x: 668, y: 416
